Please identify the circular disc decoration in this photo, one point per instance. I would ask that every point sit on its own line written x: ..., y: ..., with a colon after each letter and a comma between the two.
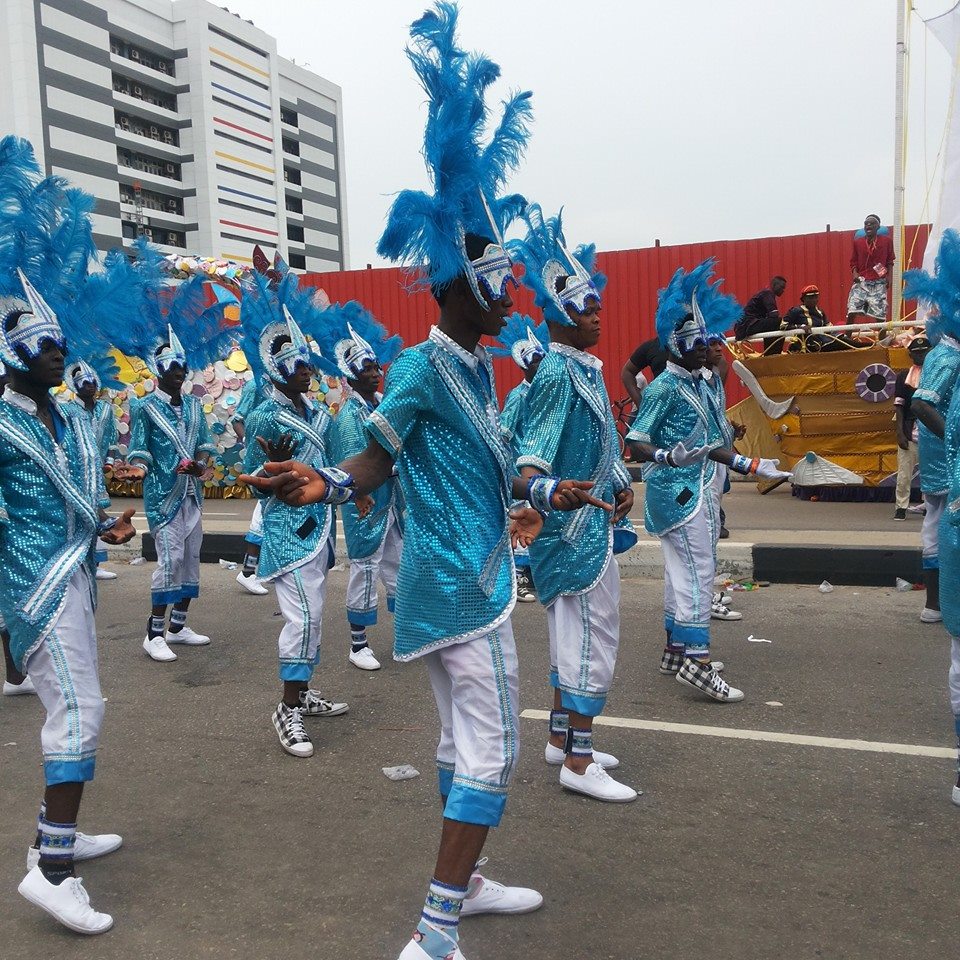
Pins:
x: 875, y: 383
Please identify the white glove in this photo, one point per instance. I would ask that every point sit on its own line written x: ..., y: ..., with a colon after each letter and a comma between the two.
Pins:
x: 680, y: 456
x: 769, y: 470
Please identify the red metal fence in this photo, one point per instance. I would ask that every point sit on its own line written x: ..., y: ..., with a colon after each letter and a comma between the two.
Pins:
x: 630, y: 298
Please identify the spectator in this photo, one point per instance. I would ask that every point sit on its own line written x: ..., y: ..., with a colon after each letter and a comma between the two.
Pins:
x: 648, y: 354
x: 808, y: 315
x: 907, y: 431
x: 870, y: 264
x: 761, y: 315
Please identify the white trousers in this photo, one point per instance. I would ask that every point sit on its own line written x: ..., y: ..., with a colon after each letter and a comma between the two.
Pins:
x: 64, y: 669
x: 177, y: 576
x: 716, y: 495
x: 301, y: 594
x: 689, y: 569
x: 362, y: 597
x: 906, y: 467
x: 930, y: 531
x: 584, y: 632
x: 255, y: 532
x: 954, y: 679
x: 476, y: 686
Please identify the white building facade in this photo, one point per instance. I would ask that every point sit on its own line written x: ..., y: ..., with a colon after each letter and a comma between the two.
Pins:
x: 183, y: 122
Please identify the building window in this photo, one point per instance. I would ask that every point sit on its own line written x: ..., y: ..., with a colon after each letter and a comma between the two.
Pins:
x: 144, y: 128
x: 289, y: 116
x: 141, y: 91
x: 129, y: 230
x: 294, y: 233
x: 146, y: 164
x: 151, y: 200
x: 291, y: 175
x: 294, y: 204
x: 298, y: 261
x: 142, y: 56
x: 291, y: 146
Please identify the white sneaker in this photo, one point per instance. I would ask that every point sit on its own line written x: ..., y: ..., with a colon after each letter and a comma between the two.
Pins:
x: 188, y: 637
x: 487, y: 896
x: 956, y: 796
x: 252, y: 584
x: 19, y: 689
x: 597, y: 783
x: 555, y: 756
x: 157, y: 649
x: 288, y: 722
x: 723, y: 598
x: 930, y: 616
x: 707, y: 680
x: 105, y: 574
x: 718, y: 611
x: 313, y: 705
x: 364, y: 659
x: 413, y: 951
x: 66, y: 902
x: 86, y: 847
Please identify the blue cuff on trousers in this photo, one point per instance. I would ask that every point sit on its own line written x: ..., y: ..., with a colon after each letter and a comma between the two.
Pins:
x: 363, y: 618
x: 586, y: 704
x: 931, y: 563
x: 68, y: 771
x: 471, y: 805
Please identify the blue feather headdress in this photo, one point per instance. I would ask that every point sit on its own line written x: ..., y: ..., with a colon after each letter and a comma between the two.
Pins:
x: 271, y: 314
x: 350, y: 335
x: 522, y: 339
x: 429, y: 231
x: 691, y: 309
x: 940, y: 290
x: 546, y: 261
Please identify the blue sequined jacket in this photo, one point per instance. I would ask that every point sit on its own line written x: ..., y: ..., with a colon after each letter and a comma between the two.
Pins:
x: 161, y: 435
x: 938, y: 380
x: 570, y: 433
x: 347, y: 439
x: 292, y: 536
x: 674, y: 409
x: 50, y: 496
x: 713, y: 389
x: 439, y: 421
x: 513, y: 415
x: 103, y: 424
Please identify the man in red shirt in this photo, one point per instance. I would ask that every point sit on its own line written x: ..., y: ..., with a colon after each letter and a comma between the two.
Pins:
x: 871, y: 264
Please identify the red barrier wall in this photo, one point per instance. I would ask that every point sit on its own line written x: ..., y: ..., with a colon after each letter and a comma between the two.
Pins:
x: 634, y: 276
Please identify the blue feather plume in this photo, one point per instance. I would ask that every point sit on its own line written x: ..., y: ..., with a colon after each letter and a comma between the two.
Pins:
x: 941, y: 289
x: 674, y: 302
x: 516, y: 329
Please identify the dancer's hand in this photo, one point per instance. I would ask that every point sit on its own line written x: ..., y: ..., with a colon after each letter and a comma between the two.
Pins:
x: 624, y: 504
x: 293, y: 482
x: 277, y: 450
x: 364, y: 504
x: 525, y: 526
x: 770, y: 470
x: 122, y: 531
x: 739, y: 430
x: 680, y: 456
x: 192, y: 468
x: 572, y: 495
x: 128, y: 472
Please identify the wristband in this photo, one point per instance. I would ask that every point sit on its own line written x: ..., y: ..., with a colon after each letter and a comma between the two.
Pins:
x: 106, y: 525
x: 339, y: 485
x: 540, y: 491
x: 744, y: 465
x: 662, y: 456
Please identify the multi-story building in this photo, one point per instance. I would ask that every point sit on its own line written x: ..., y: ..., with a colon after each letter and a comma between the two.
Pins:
x: 183, y: 122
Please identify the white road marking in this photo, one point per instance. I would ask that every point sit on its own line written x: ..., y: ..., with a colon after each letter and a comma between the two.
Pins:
x: 734, y: 733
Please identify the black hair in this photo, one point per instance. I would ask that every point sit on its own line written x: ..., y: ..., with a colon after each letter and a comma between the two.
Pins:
x: 875, y: 217
x: 778, y: 277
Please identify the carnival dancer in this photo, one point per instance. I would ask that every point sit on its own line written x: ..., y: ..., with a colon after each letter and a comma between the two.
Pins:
x: 169, y: 448
x: 52, y: 501
x: 930, y: 403
x: 438, y: 423
x: 85, y: 382
x: 941, y: 291
x: 374, y: 542
x: 251, y: 396
x: 569, y: 431
x: 527, y: 344
x: 678, y: 437
x: 294, y: 553
x: 714, y: 373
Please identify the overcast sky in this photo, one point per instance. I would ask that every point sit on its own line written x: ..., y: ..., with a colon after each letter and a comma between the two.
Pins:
x: 683, y: 120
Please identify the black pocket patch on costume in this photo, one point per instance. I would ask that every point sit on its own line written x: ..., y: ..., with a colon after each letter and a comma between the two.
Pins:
x: 684, y: 496
x: 306, y: 528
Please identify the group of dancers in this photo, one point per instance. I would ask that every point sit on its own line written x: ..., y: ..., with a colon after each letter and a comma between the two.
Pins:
x: 459, y: 509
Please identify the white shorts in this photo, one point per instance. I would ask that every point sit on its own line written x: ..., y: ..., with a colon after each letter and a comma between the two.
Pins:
x: 930, y: 531
x: 584, y: 631
x: 362, y: 597
x: 476, y: 687
x: 301, y: 594
x: 177, y: 576
x: 255, y: 532
x: 64, y: 670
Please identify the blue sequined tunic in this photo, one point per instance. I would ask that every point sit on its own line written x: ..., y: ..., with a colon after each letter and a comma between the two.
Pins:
x: 50, y: 495
x: 251, y: 396
x: 938, y: 379
x: 439, y: 421
x: 716, y: 396
x: 674, y: 409
x: 103, y: 425
x: 161, y: 435
x: 347, y: 439
x: 513, y: 416
x: 570, y: 433
x: 292, y: 536
x: 949, y: 532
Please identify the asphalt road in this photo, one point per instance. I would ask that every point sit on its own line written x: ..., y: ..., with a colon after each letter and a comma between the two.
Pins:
x: 739, y: 848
